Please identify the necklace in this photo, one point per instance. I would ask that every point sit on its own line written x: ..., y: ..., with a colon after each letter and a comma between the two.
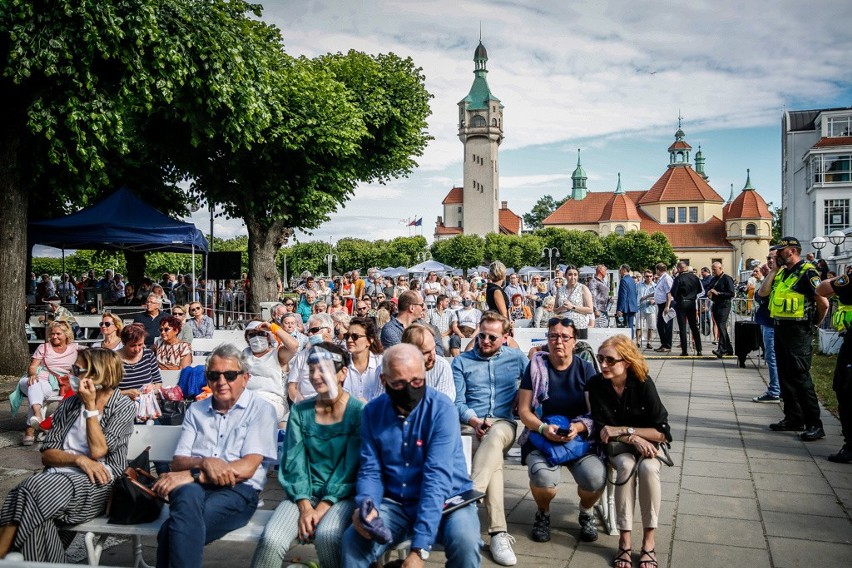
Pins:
x: 328, y: 406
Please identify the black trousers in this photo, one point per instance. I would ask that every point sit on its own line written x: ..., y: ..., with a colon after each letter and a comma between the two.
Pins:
x: 686, y: 312
x: 793, y: 352
x: 664, y: 329
x: 721, y: 311
x: 843, y: 388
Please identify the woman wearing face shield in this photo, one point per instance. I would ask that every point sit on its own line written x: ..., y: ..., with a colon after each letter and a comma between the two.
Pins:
x: 84, y: 452
x: 319, y: 467
x: 266, y: 357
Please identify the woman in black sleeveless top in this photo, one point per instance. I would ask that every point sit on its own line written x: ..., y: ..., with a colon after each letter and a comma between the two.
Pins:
x: 495, y: 297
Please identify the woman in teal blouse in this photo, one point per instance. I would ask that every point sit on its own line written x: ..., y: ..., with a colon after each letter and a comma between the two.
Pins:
x: 319, y: 466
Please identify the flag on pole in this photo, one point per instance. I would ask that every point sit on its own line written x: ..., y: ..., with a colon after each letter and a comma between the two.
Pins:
x: 413, y: 222
x: 419, y: 222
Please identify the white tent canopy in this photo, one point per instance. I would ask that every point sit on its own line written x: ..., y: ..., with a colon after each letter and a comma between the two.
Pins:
x: 430, y: 266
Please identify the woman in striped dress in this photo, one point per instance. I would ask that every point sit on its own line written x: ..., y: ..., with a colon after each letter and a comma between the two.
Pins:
x: 84, y: 452
x: 140, y: 364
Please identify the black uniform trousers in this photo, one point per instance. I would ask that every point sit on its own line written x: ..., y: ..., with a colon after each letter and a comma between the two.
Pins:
x: 721, y: 311
x: 686, y: 312
x: 843, y: 388
x: 664, y: 328
x: 793, y: 350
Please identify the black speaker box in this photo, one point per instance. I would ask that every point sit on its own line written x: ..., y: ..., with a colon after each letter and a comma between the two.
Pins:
x: 224, y: 265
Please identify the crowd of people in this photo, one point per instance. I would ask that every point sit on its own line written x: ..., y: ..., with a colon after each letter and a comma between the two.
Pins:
x: 376, y: 393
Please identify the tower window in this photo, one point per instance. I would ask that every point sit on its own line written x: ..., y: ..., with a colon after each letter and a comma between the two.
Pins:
x: 693, y: 214
x: 681, y: 214
x: 751, y: 230
x: 670, y: 214
x: 477, y: 121
x: 619, y: 230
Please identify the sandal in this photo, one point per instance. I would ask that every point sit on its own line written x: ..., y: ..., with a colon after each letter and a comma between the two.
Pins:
x: 622, y: 559
x: 652, y: 560
x: 28, y: 440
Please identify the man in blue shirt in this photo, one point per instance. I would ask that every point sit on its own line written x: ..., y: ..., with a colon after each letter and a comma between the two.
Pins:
x: 486, y: 379
x: 626, y: 306
x: 220, y: 463
x: 411, y: 462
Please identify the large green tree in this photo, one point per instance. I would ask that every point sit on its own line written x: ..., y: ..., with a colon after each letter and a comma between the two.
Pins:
x: 460, y: 251
x: 541, y: 211
x: 638, y: 249
x: 580, y: 248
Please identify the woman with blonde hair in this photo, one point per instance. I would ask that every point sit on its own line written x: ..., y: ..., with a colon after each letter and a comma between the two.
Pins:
x: 627, y: 408
x: 182, y: 312
x: 496, y: 298
x: 111, y: 326
x: 84, y: 452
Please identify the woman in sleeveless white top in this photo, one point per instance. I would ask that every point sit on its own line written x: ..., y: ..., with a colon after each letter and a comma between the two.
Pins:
x: 575, y: 301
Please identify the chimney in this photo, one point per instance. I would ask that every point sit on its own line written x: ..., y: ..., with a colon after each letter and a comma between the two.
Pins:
x: 504, y: 205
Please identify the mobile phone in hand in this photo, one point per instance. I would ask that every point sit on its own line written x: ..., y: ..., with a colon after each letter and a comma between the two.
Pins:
x: 485, y: 426
x: 563, y: 431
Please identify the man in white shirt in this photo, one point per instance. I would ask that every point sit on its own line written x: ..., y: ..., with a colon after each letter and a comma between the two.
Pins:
x: 444, y: 319
x: 663, y: 300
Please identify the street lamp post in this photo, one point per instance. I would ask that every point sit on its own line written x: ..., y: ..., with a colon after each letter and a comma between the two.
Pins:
x: 550, y: 252
x: 837, y: 238
x: 329, y: 258
x: 818, y: 243
x: 424, y: 256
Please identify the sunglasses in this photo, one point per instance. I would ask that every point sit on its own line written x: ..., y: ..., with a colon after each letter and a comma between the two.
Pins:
x: 289, y: 304
x: 77, y: 371
x: 105, y: 324
x: 194, y: 309
x: 177, y: 313
x: 352, y: 336
x: 230, y: 376
x: 564, y: 320
x: 487, y: 336
x: 256, y: 333
x: 316, y: 329
x: 607, y: 360
x: 558, y: 336
x: 162, y: 329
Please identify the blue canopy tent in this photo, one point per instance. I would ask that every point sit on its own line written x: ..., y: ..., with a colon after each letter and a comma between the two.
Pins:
x: 120, y: 222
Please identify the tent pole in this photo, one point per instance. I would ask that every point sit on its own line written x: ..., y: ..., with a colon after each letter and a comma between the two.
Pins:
x: 192, y: 299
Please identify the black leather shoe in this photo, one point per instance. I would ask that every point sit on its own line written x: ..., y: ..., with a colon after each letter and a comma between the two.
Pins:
x: 843, y: 456
x: 787, y: 426
x: 718, y: 353
x: 812, y: 433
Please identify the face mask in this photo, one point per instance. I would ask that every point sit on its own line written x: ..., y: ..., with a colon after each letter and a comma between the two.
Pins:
x: 467, y: 303
x: 258, y: 344
x: 315, y: 339
x: 74, y: 381
x: 406, y: 398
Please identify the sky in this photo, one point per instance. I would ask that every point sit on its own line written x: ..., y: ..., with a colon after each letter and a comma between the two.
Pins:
x: 607, y: 77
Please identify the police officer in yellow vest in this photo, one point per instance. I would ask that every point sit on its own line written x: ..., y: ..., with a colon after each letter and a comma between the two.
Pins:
x: 797, y: 311
x: 842, y: 320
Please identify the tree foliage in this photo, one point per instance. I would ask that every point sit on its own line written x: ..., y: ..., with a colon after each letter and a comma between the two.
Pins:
x: 460, y: 251
x: 637, y: 249
x: 541, y: 210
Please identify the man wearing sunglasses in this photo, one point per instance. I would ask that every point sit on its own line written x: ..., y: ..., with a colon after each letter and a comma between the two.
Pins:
x: 220, y: 462
x: 486, y: 379
x: 411, y: 308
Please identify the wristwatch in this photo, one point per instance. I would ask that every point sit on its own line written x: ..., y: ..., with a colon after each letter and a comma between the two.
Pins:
x: 631, y: 430
x: 422, y: 553
x: 91, y: 413
x: 196, y: 474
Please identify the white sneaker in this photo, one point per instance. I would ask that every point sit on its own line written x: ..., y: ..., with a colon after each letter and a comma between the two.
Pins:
x: 501, y: 549
x: 35, y: 422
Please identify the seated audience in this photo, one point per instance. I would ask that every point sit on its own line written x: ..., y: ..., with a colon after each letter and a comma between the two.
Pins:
x: 140, y: 363
x: 172, y: 353
x: 265, y: 358
x: 365, y: 350
x: 544, y: 312
x: 200, y: 323
x: 111, y: 326
x: 84, y: 452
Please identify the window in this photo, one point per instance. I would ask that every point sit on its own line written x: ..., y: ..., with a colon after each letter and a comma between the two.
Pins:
x: 839, y: 126
x: 681, y: 214
x: 830, y: 168
x: 493, y: 122
x: 751, y: 230
x: 477, y: 121
x: 836, y: 215
x: 619, y: 230
x: 693, y: 214
x: 460, y: 210
x: 670, y: 214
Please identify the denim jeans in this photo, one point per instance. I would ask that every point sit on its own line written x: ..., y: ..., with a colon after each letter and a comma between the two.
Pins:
x: 774, y: 388
x: 200, y: 514
x: 458, y: 533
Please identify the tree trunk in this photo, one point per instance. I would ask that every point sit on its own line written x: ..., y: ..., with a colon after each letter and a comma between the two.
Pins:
x: 264, y: 242
x: 13, y: 261
x: 136, y: 263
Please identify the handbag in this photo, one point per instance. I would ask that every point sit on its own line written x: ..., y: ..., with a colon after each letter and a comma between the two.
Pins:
x: 557, y: 453
x: 133, y: 501
x: 616, y: 448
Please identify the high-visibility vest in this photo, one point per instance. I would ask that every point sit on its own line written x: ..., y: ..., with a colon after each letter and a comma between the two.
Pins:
x: 784, y: 302
x: 842, y: 317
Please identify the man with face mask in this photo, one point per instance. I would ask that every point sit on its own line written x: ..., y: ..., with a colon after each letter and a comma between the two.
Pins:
x: 265, y: 357
x: 486, y: 379
x: 319, y: 328
x: 411, y: 462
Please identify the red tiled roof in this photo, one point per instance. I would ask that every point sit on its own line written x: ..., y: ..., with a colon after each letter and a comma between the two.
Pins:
x: 709, y: 235
x: 456, y: 195
x: 680, y: 145
x: 747, y: 205
x: 836, y: 141
x: 442, y: 230
x: 509, y: 222
x: 680, y: 183
x: 620, y: 208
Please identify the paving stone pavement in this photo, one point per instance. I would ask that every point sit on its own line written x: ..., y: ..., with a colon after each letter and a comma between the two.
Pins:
x: 738, y: 496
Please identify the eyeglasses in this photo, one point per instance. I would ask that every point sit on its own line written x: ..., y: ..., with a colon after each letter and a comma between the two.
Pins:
x: 416, y: 382
x: 558, y: 336
x: 163, y: 329
x: 316, y: 329
x: 488, y: 337
x: 230, y: 376
x: 352, y: 336
x: 195, y: 309
x: 105, y: 324
x: 177, y: 313
x: 419, y: 305
x: 607, y: 360
x: 289, y: 304
x: 361, y: 308
x: 77, y: 371
x: 564, y: 320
